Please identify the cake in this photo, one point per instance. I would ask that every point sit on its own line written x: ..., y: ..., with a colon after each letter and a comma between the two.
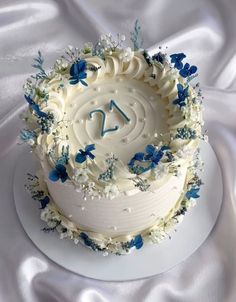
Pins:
x: 116, y: 131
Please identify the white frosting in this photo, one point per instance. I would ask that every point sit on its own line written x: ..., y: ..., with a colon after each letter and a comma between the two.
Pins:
x: 111, y: 217
x: 145, y: 94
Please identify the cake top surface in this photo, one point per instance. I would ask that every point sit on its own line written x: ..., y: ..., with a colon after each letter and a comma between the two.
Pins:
x: 112, y: 120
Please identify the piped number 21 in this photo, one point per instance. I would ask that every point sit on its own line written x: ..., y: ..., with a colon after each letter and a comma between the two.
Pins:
x: 112, y: 105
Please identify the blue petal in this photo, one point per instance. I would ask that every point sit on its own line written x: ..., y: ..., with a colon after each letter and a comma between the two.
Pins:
x: 139, y: 156
x: 74, y: 81
x: 84, y: 83
x: 184, y: 73
x: 180, y: 87
x: 60, y: 168
x: 150, y: 149
x: 137, y: 242
x: 90, y: 147
x: 53, y: 175
x: 192, y: 193
x: 64, y: 176
x: 82, y: 75
x: 80, y: 158
x: 74, y: 69
x: 193, y: 69
x: 186, y: 66
x: 28, y: 99
x: 82, y: 65
x: 44, y: 202
x: 179, y: 65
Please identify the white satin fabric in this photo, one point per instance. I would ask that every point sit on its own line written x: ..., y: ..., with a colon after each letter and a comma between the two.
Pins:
x: 205, y: 31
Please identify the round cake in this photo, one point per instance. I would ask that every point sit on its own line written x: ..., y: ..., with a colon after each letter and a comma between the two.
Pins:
x: 116, y: 131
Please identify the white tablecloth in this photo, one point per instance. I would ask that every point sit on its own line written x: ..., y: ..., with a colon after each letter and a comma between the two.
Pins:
x: 206, y: 32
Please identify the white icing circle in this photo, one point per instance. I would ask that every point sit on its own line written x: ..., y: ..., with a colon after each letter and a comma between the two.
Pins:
x: 133, y: 134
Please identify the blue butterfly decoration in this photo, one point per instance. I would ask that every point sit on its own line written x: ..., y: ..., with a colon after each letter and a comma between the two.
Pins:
x: 188, y: 70
x: 77, y: 72
x: 44, y: 201
x: 177, y: 59
x: 137, y: 242
x: 58, y: 173
x: 182, y: 95
x: 192, y: 193
x: 152, y: 156
x: 35, y: 107
x: 83, y: 154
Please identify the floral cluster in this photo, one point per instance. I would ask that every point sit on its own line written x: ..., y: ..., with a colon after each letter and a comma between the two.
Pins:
x: 185, y: 70
x: 149, y: 160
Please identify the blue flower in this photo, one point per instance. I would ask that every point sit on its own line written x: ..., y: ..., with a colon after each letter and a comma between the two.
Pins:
x: 87, y: 240
x: 154, y: 155
x: 83, y: 154
x: 58, y: 173
x: 192, y: 193
x: 159, y: 57
x: 77, y: 72
x: 44, y: 201
x: 188, y: 70
x: 182, y: 95
x: 177, y: 59
x: 137, y: 242
x: 35, y: 107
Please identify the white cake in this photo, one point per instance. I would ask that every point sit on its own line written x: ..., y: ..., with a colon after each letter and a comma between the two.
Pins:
x: 116, y: 132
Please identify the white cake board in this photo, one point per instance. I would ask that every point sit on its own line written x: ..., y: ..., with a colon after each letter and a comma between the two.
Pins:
x: 148, y: 261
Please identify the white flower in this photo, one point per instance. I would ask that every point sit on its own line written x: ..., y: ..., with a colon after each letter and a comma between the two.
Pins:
x: 111, y: 191
x: 80, y: 175
x: 45, y: 214
x: 159, y: 171
x: 185, y: 152
x: 157, y: 235
x: 180, y: 218
x: 31, y: 142
x: 126, y: 54
x: 76, y: 240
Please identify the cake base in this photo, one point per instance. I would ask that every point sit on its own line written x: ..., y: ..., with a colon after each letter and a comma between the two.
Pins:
x: 152, y: 259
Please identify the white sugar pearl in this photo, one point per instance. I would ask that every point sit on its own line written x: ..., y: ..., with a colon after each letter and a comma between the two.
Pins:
x: 142, y: 119
x: 97, y: 89
x: 128, y: 210
x: 125, y: 140
x: 122, y: 37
